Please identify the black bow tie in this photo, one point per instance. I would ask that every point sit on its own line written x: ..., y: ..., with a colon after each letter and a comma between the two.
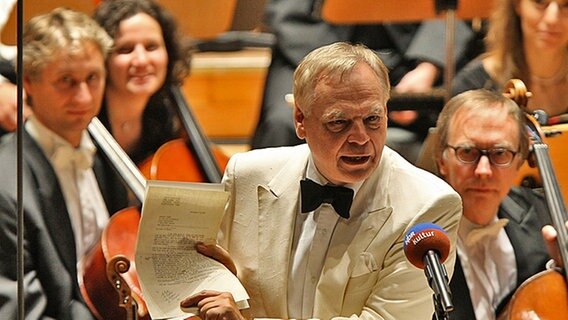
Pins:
x: 314, y: 194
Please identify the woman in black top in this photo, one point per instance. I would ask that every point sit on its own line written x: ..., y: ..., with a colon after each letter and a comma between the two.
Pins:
x: 147, y: 60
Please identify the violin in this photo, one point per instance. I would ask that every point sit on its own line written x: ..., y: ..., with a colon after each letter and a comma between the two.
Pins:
x: 544, y: 295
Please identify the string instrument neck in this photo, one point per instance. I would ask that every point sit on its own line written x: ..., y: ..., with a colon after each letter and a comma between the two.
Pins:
x: 197, y: 143
x: 122, y: 163
x: 554, y: 198
x: 115, y: 250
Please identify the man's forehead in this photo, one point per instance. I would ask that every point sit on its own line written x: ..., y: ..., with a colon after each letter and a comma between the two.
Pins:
x: 326, y: 93
x: 69, y: 60
x: 488, y: 127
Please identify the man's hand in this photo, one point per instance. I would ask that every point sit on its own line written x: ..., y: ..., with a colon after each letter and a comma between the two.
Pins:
x: 550, y: 236
x: 420, y: 79
x: 217, y: 253
x: 214, y: 305
x: 9, y: 106
x: 403, y: 117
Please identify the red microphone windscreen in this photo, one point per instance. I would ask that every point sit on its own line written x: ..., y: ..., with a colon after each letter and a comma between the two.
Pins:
x: 422, y: 238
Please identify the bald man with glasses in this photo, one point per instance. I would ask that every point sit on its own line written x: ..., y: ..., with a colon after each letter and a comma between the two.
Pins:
x: 482, y: 143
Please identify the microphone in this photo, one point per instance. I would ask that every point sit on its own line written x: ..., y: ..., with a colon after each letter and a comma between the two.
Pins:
x: 426, y: 246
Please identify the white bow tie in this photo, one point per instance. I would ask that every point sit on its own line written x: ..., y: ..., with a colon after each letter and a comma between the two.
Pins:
x: 491, y: 231
x: 66, y: 157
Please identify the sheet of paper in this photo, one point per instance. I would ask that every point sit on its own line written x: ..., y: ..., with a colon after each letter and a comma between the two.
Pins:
x: 176, y: 215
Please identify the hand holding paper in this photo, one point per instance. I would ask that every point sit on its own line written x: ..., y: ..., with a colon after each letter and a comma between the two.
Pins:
x: 175, y: 217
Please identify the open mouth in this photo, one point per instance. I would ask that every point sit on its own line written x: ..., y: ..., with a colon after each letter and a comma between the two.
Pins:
x: 356, y: 160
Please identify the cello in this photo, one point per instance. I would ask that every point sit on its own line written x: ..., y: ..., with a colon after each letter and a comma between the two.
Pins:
x: 110, y: 283
x: 114, y: 254
x: 200, y: 162
x: 544, y: 295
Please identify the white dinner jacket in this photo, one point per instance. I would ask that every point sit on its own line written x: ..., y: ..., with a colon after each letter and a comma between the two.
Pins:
x: 370, y: 277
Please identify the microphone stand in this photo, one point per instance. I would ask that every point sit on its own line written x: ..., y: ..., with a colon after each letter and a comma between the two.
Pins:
x: 19, y: 161
x: 438, y: 281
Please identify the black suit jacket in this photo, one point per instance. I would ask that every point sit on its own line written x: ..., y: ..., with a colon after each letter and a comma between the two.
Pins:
x: 527, y: 213
x: 51, y: 287
x: 7, y: 70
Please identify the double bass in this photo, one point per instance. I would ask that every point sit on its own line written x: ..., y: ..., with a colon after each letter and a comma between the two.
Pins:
x: 544, y: 295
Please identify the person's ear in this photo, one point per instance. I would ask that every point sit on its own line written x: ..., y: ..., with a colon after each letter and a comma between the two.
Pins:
x: 28, y: 91
x: 27, y: 84
x: 441, y: 164
x: 299, y: 122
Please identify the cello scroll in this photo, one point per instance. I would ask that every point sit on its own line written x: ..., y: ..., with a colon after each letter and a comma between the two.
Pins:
x: 118, y: 265
x: 516, y: 90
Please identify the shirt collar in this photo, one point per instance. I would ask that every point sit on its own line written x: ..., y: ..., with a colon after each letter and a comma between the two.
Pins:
x: 312, y: 173
x: 49, y: 141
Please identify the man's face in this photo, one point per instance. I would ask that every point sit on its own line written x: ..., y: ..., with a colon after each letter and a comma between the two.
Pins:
x: 68, y: 92
x: 346, y: 126
x: 482, y: 185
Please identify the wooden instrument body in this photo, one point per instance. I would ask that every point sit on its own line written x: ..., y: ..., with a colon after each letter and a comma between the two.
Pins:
x: 119, y: 238
x: 546, y: 292
x: 556, y: 137
x: 174, y: 161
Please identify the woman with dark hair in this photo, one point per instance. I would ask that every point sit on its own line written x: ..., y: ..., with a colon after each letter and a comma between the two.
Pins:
x: 147, y: 60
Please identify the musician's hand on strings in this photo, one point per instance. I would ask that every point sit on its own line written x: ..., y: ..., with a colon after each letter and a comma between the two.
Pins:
x: 550, y: 237
x: 213, y: 305
x: 217, y: 253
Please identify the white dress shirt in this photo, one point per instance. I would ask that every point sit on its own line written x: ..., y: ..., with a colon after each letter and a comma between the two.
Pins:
x: 489, y: 266
x: 313, y: 234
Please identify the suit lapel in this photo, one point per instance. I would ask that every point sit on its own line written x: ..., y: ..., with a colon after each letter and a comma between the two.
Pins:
x: 460, y: 294
x: 524, y: 225
x: 278, y: 205
x: 52, y: 204
x: 512, y: 210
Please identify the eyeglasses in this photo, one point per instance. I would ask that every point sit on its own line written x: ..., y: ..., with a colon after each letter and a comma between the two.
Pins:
x: 499, y: 157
